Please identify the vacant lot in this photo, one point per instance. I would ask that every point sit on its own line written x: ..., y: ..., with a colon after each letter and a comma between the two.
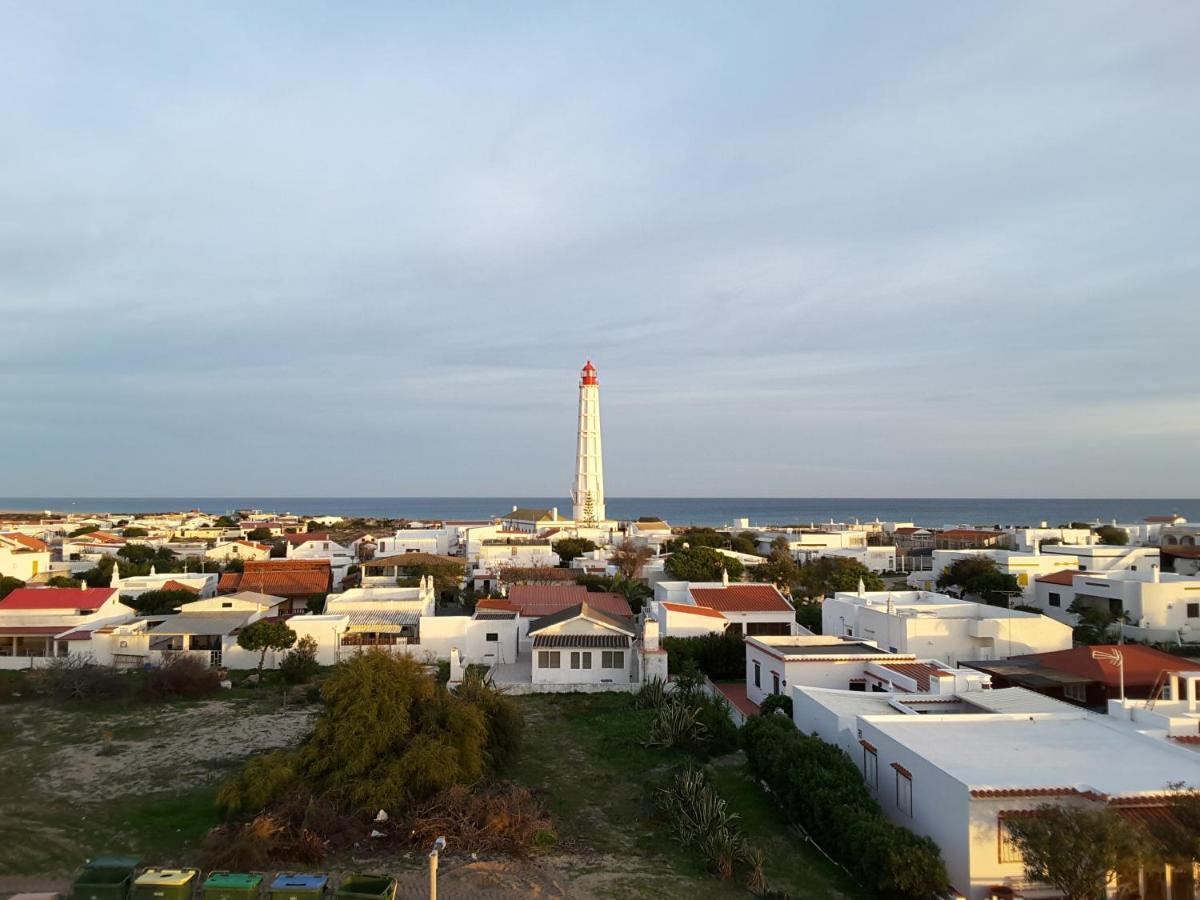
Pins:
x: 585, y: 754
x: 66, y: 797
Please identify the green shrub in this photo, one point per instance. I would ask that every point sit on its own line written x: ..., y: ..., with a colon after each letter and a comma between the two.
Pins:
x: 300, y: 663
x: 720, y: 655
x: 780, y: 702
x: 262, y: 779
x: 181, y: 678
x: 821, y: 789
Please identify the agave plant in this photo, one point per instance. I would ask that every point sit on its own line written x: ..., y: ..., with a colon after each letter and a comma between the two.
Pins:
x: 675, y: 724
x: 756, y: 879
x: 652, y: 695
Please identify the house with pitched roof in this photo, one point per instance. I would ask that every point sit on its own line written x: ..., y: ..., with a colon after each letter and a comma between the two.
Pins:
x: 582, y: 647
x: 38, y: 624
x: 239, y: 549
x: 319, y: 545
x: 746, y: 608
x: 23, y: 556
x: 296, y: 580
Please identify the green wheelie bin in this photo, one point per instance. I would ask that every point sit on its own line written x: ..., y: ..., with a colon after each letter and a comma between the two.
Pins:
x: 104, y: 878
x: 232, y: 886
x: 366, y: 887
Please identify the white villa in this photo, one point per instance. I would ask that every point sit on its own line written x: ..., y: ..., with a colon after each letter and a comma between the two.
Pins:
x: 239, y: 549
x: 1159, y: 606
x: 752, y: 609
x: 582, y: 646
x: 38, y: 624
x: 22, y: 556
x: 941, y: 627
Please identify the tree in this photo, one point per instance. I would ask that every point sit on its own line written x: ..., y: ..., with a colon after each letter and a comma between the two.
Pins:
x: 1093, y: 622
x: 808, y: 614
x: 698, y: 537
x: 300, y: 664
x: 570, y: 548
x: 259, y: 534
x: 1076, y: 849
x: 826, y: 575
x: 745, y: 542
x: 8, y: 585
x: 234, y: 564
x: 312, y: 525
x: 629, y: 558
x: 315, y: 603
x: 1111, y: 534
x: 225, y: 522
x: 135, y: 532
x: 153, y: 603
x: 779, y: 569
x: 979, y: 576
x: 702, y: 564
x: 264, y: 635
x: 83, y: 529
x: 63, y: 581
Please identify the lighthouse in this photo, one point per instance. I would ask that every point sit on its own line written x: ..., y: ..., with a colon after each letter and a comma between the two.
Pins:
x: 587, y: 494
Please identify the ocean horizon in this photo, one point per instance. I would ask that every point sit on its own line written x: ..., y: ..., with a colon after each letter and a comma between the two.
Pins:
x: 931, y: 511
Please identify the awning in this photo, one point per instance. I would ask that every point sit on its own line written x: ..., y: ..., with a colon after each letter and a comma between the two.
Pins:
x: 601, y: 641
x: 32, y: 630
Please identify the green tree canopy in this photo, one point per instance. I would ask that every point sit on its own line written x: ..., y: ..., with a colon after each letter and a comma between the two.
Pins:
x: 1111, y: 534
x: 259, y: 534
x: 827, y: 575
x: 134, y: 531
x: 225, y: 522
x: 570, y: 548
x: 779, y: 568
x: 83, y: 529
x: 63, y: 581
x: 979, y: 576
x: 153, y: 603
x: 1093, y: 623
x: 8, y: 585
x: 698, y: 537
x: 1076, y: 849
x: 702, y: 564
x: 264, y: 635
x: 745, y: 542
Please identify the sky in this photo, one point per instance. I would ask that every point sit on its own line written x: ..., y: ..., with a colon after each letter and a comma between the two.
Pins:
x: 814, y: 249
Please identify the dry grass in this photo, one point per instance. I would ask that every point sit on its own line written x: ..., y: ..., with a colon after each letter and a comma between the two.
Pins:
x: 502, y: 819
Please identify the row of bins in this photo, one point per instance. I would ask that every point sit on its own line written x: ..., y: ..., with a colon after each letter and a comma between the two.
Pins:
x: 117, y: 878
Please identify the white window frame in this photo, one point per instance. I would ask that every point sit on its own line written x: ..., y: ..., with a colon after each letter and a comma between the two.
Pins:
x: 904, y: 795
x: 549, y: 659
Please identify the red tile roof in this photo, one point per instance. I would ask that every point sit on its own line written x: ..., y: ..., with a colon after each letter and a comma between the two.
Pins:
x: 536, y: 600
x: 288, y: 578
x: 921, y: 673
x: 1036, y: 792
x: 966, y: 534
x: 56, y: 598
x: 174, y: 585
x: 692, y: 610
x: 1142, y: 664
x: 742, y: 598
x: 29, y: 543
x: 907, y: 530
x: 1062, y: 576
x: 303, y: 537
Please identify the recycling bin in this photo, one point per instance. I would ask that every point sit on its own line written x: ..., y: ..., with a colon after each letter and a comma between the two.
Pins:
x: 232, y: 886
x: 366, y: 887
x: 165, y: 884
x: 104, y: 878
x: 298, y: 886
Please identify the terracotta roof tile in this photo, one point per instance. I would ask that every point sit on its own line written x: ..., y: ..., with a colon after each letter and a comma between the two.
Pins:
x: 281, y: 577
x: 536, y: 600
x: 174, y: 585
x: 742, y: 598
x: 921, y: 673
x: 1062, y: 576
x: 56, y: 598
x: 1142, y: 664
x: 29, y: 543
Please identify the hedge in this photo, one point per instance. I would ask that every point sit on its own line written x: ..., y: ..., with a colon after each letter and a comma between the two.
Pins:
x: 720, y: 656
x: 822, y: 790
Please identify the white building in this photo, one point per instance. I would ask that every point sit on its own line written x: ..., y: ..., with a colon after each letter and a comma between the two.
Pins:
x: 22, y: 556
x: 941, y: 627
x: 239, y: 549
x: 1104, y: 557
x: 582, y: 647
x: 747, y: 608
x: 1158, y: 606
x: 956, y: 778
x: 201, y: 583
x: 1026, y: 540
x: 876, y: 558
x: 415, y: 540
x: 317, y: 545
x: 1025, y: 567
x: 38, y: 624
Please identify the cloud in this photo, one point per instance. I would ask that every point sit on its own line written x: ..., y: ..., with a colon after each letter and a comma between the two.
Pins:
x: 305, y: 250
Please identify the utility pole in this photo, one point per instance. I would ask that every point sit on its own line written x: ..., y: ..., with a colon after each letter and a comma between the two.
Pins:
x: 438, y: 845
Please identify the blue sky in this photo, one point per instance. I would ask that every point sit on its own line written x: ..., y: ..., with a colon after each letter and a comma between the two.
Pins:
x: 842, y: 249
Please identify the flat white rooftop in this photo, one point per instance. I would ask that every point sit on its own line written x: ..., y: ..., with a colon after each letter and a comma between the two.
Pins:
x: 1042, y: 751
x: 928, y: 603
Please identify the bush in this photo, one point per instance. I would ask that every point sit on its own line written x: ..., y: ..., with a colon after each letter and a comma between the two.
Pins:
x: 182, y: 678
x: 702, y: 564
x: 79, y: 678
x: 700, y: 818
x: 720, y: 655
x: 780, y: 702
x: 262, y: 779
x: 691, y: 719
x: 822, y: 791
x: 300, y: 664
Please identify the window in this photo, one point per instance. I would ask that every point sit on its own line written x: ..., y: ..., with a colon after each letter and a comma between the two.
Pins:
x: 325, y: 545
x: 1076, y: 692
x: 774, y: 682
x: 871, y: 767
x: 757, y: 675
x: 226, y: 605
x: 549, y: 659
x: 1055, y: 599
x: 903, y: 792
x: 574, y: 659
x: 1009, y: 852
x: 492, y: 636
x: 581, y: 660
x: 612, y: 659
x: 1193, y: 610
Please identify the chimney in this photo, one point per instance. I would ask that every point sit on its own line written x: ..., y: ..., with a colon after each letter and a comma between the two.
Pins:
x: 554, y: 514
x: 725, y: 577
x: 1037, y: 547
x: 1154, y: 573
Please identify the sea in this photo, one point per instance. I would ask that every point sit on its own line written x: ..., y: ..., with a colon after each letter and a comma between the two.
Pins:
x: 675, y: 510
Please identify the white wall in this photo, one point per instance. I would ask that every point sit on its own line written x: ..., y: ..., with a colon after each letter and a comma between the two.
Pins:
x: 441, y: 633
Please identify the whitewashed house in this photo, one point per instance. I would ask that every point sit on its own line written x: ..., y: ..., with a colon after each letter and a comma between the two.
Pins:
x: 1158, y: 606
x: 23, y: 557
x: 415, y: 540
x: 239, y: 549
x: 1103, y: 557
x: 582, y: 647
x: 941, y: 627
x: 38, y: 624
x: 747, y: 608
x: 203, y: 584
x: 318, y: 545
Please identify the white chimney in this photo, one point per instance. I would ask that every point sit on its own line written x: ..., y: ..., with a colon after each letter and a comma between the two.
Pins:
x: 1037, y: 547
x: 725, y: 577
x: 554, y: 514
x: 1154, y: 573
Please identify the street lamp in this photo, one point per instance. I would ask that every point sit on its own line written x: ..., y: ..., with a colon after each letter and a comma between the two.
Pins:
x: 438, y: 846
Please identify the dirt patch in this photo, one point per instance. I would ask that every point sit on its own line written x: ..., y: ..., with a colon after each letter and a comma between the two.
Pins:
x: 172, y: 746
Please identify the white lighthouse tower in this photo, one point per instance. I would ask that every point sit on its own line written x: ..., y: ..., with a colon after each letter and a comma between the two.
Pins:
x: 587, y: 494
